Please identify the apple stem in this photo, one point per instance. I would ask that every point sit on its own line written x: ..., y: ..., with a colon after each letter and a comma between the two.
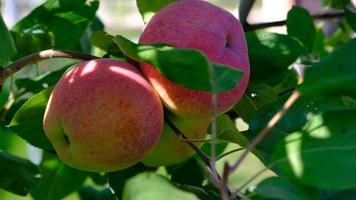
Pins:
x: 16, y: 66
x: 251, y: 27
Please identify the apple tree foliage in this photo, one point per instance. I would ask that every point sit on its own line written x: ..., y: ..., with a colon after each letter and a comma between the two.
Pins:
x: 311, y: 150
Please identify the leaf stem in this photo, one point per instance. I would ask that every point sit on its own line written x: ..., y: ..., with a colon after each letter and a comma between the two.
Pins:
x: 14, y: 67
x: 275, y: 119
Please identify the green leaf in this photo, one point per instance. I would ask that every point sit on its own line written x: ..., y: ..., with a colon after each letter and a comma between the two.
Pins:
x: 27, y: 122
x: 148, y: 8
x: 270, y: 55
x: 300, y: 25
x: 255, y: 97
x: 117, y: 179
x: 284, y: 189
x: 7, y: 45
x: 345, y: 194
x: 90, y: 193
x: 36, y: 85
x: 323, y: 153
x: 294, y: 119
x: 150, y: 186
x: 191, y: 172
x: 350, y: 15
x: 58, y: 179
x: 227, y: 131
x: 18, y: 175
x: 187, y: 67
x: 55, y: 24
x: 336, y: 73
x: 336, y: 3
x: 106, y: 42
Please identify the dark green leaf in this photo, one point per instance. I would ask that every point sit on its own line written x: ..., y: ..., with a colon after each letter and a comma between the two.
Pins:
x: 256, y: 97
x: 323, y: 153
x: 18, y: 175
x: 90, y: 193
x: 117, y: 179
x: 187, y: 67
x: 148, y: 8
x: 7, y: 46
x: 203, y: 193
x: 58, y: 180
x: 350, y: 15
x: 300, y: 26
x: 336, y: 3
x: 284, y: 189
x: 342, y: 195
x: 98, y: 178
x: 150, y: 186
x: 105, y: 42
x: 191, y: 172
x: 55, y: 24
x: 270, y: 55
x: 334, y: 75
x: 27, y: 122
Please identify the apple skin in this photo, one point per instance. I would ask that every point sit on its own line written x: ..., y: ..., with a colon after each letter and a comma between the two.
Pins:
x: 210, y: 29
x: 103, y: 116
x: 170, y: 149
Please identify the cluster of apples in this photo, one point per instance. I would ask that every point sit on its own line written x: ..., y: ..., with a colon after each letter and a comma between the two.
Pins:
x: 106, y: 115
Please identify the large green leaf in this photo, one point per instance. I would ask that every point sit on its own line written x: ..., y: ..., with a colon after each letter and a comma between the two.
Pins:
x: 334, y: 75
x: 27, y: 122
x: 7, y: 45
x: 18, y: 175
x: 284, y: 189
x: 58, y: 179
x: 187, y: 67
x: 148, y: 8
x: 270, y: 55
x: 150, y: 186
x: 300, y: 25
x: 294, y: 119
x: 55, y: 24
x: 323, y: 153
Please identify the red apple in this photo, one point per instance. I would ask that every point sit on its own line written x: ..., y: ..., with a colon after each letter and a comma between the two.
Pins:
x: 103, y: 116
x: 210, y: 29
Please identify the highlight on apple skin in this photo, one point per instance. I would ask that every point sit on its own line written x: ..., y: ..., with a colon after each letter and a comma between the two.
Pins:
x: 103, y: 116
x: 170, y: 149
x: 210, y: 29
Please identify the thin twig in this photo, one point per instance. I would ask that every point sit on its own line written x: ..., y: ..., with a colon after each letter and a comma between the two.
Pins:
x: 252, y: 27
x: 33, y: 58
x: 229, y: 152
x: 275, y: 119
x: 204, y: 157
x: 179, y: 133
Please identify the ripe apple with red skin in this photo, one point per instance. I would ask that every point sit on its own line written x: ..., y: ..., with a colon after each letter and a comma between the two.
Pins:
x: 210, y: 29
x: 103, y: 116
x: 170, y: 149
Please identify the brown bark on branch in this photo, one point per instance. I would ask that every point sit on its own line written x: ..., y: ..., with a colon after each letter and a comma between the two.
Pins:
x: 252, y: 27
x: 14, y: 67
